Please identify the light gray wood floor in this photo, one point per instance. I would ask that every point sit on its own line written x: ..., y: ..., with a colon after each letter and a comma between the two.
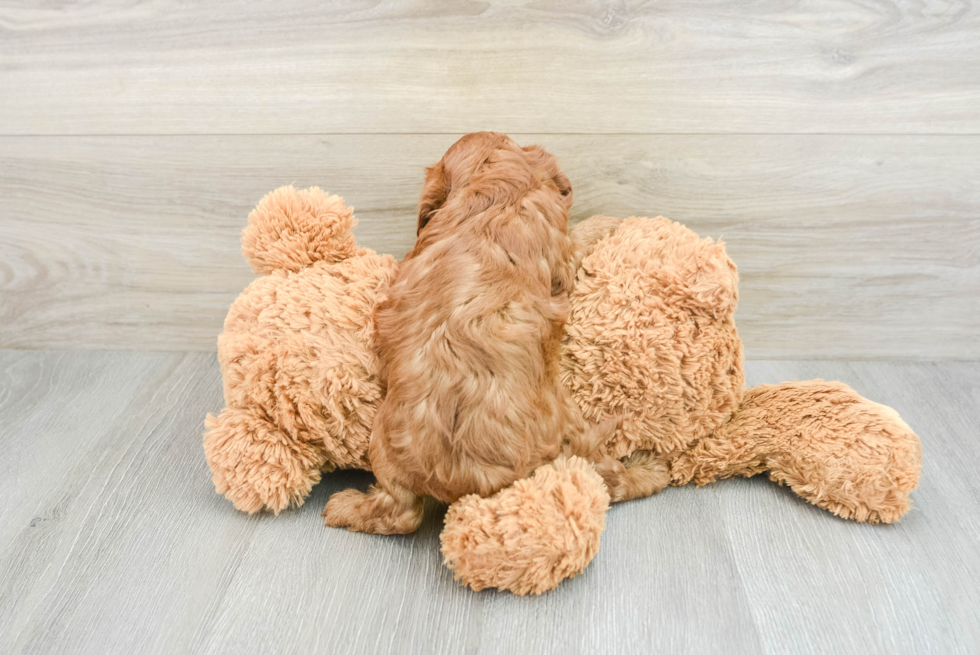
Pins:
x: 113, y: 540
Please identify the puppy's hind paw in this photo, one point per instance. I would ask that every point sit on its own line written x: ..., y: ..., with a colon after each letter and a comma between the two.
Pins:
x: 376, y: 512
x: 640, y: 475
x: 342, y: 510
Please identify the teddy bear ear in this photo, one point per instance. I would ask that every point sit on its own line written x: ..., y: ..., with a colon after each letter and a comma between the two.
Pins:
x: 532, y: 535
x: 291, y: 229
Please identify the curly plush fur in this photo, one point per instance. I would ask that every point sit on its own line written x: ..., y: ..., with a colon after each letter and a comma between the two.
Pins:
x: 300, y: 376
x: 650, y: 343
x: 496, y: 542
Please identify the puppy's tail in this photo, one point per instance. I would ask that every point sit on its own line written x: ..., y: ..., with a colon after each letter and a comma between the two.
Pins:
x: 291, y: 229
x: 590, y: 444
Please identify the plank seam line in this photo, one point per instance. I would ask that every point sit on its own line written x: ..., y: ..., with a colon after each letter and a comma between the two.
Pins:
x: 595, y: 134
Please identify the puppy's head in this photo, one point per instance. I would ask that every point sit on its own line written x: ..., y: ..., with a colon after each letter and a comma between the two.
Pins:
x: 492, y: 166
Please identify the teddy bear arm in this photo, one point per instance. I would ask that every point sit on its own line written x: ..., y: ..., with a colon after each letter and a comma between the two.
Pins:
x: 257, y: 465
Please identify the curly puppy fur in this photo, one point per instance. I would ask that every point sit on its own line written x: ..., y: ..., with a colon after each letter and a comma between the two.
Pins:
x: 469, y: 337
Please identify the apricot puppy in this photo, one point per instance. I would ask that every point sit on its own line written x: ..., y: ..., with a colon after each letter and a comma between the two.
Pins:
x: 469, y: 337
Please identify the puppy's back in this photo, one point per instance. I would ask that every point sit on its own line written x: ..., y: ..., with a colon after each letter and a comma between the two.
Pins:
x: 470, y: 338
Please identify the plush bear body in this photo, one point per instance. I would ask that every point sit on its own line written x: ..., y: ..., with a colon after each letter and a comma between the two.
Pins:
x: 651, y: 343
x: 651, y: 336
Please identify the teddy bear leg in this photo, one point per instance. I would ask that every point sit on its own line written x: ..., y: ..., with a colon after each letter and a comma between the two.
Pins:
x: 641, y: 474
x: 841, y: 452
x: 718, y: 456
x: 258, y: 466
x: 385, y: 508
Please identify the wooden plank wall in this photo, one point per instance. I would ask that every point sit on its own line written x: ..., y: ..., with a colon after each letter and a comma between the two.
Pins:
x: 834, y: 146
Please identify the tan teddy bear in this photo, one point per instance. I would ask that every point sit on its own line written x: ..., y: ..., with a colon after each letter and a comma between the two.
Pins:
x: 651, y: 342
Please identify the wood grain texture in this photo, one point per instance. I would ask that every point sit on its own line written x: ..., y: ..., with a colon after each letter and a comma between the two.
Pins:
x: 172, y: 67
x: 848, y: 247
x: 115, y: 541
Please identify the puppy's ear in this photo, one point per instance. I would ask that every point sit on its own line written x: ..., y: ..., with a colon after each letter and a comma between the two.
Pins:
x: 565, y: 188
x: 547, y: 162
x: 434, y: 194
x: 563, y: 276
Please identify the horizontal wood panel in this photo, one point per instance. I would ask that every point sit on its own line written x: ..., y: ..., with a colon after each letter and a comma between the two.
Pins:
x: 707, y: 66
x: 848, y: 247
